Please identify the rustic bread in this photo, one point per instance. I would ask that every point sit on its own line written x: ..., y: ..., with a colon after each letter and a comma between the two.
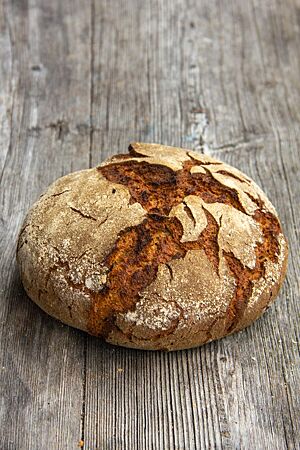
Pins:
x: 160, y: 248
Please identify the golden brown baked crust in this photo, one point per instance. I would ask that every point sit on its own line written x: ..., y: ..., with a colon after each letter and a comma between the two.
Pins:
x: 160, y: 248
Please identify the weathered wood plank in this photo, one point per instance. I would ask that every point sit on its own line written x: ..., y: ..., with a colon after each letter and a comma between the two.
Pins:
x: 78, y: 84
x: 45, y: 116
x: 205, y: 75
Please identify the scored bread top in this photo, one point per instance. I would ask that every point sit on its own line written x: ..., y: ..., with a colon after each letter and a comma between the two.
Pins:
x: 157, y: 248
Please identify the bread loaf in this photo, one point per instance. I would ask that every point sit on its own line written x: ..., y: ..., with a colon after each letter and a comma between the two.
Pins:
x: 159, y: 248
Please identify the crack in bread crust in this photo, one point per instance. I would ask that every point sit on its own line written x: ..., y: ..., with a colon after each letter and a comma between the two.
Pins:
x: 139, y: 250
x: 268, y: 249
x: 158, y: 188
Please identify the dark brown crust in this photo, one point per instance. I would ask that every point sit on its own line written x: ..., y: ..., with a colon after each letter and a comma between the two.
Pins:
x: 268, y: 249
x: 158, y: 188
x: 134, y: 260
x: 133, y: 265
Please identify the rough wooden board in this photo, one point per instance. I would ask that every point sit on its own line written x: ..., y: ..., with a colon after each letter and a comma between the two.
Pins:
x: 42, y: 362
x: 80, y: 81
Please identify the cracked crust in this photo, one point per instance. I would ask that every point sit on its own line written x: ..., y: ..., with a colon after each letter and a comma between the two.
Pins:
x: 159, y: 248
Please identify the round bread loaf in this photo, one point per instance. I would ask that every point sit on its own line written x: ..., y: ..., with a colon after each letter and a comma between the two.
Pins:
x: 160, y: 248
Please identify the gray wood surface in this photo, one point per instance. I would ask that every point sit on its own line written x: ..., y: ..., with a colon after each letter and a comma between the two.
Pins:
x: 79, y: 80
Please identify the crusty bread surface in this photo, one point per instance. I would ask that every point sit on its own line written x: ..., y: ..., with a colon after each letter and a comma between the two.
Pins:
x: 159, y: 248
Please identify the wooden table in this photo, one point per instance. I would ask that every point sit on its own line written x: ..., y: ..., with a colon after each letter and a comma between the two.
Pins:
x: 79, y: 80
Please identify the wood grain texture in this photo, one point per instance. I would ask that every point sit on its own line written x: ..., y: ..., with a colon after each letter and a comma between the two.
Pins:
x: 78, y: 82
